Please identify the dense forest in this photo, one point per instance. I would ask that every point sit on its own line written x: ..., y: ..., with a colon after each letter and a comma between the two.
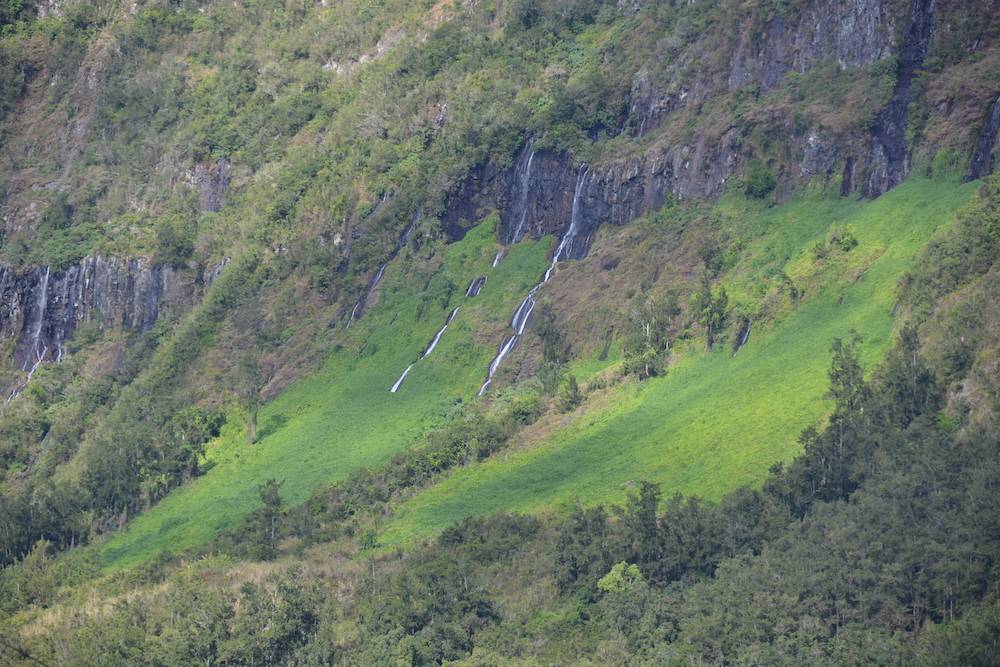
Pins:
x: 516, y: 332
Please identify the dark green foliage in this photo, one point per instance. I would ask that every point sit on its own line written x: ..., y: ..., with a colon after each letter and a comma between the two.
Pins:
x: 759, y: 181
x: 711, y: 309
x: 555, y: 348
x: 968, y: 251
x: 430, y: 611
x: 570, y: 395
x: 175, y: 238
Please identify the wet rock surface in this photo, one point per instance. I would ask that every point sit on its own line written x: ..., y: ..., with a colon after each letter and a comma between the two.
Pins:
x: 889, y: 158
x: 40, y: 309
x: 982, y: 156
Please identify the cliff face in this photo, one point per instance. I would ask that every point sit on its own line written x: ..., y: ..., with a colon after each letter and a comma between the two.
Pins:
x: 539, y: 201
x: 534, y: 194
x: 41, y: 309
x: 889, y: 157
x: 982, y: 157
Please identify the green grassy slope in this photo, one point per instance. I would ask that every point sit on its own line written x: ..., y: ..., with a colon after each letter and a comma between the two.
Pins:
x: 343, y: 417
x: 713, y: 423
x: 717, y: 421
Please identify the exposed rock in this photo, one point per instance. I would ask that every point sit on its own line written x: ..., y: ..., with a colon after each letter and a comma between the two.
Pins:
x: 616, y: 191
x: 819, y: 155
x: 982, y: 156
x: 211, y: 181
x: 854, y: 32
x: 41, y: 309
x: 647, y: 105
x: 889, y: 159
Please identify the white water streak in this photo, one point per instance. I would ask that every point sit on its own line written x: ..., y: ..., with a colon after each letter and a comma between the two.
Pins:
x: 430, y: 348
x: 399, y: 382
x: 520, y: 318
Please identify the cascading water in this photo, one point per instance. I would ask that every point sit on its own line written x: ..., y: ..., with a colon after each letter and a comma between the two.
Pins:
x: 430, y: 348
x: 399, y: 383
x: 354, y: 313
x: 40, y: 307
x: 523, y: 312
x: 378, y: 276
x: 437, y: 337
x: 525, y: 190
x: 37, y: 353
x: 359, y: 307
x: 744, y: 337
x: 497, y: 258
x: 476, y: 286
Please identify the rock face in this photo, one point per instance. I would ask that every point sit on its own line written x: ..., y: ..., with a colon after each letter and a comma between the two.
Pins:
x: 982, y: 157
x: 539, y: 201
x: 40, y: 309
x: 853, y: 32
x: 534, y: 194
x: 211, y: 181
x: 888, y: 161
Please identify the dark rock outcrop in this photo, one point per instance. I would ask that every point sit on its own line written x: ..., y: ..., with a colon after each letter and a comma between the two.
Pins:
x: 41, y: 309
x: 212, y: 182
x: 889, y: 158
x: 982, y: 156
x: 616, y: 191
x: 854, y: 33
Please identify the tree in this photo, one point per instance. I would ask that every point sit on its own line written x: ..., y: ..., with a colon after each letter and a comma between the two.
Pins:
x: 711, y: 309
x: 648, y: 335
x: 622, y: 579
x: 555, y: 349
x: 269, y: 494
x: 570, y: 397
x: 251, y: 382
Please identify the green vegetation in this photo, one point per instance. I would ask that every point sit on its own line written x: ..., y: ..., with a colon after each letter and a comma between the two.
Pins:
x: 343, y: 417
x: 667, y: 469
x: 716, y: 421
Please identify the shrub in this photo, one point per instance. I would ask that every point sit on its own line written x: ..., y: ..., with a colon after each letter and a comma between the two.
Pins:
x: 759, y: 181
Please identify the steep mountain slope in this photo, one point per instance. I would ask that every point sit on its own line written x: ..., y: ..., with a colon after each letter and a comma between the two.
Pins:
x: 335, y: 276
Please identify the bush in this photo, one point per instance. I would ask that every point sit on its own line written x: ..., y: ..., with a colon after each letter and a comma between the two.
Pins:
x: 760, y: 182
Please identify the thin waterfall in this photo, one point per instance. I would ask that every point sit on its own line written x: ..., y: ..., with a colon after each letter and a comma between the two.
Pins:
x: 358, y: 309
x: 36, y: 354
x: 40, y: 307
x: 744, y: 337
x: 354, y: 313
x: 519, y: 320
x: 476, y: 286
x: 437, y: 337
x: 497, y: 258
x: 378, y: 276
x: 430, y: 348
x: 399, y: 382
x: 525, y: 190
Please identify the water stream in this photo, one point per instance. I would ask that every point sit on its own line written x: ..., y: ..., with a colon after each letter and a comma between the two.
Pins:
x: 523, y: 312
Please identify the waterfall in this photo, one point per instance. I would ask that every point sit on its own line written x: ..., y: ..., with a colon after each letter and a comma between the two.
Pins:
x: 475, y: 286
x: 378, y: 276
x: 401, y: 242
x: 744, y: 337
x: 399, y: 382
x: 519, y: 320
x: 430, y: 348
x: 354, y: 313
x: 36, y: 335
x: 525, y: 190
x: 497, y: 258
